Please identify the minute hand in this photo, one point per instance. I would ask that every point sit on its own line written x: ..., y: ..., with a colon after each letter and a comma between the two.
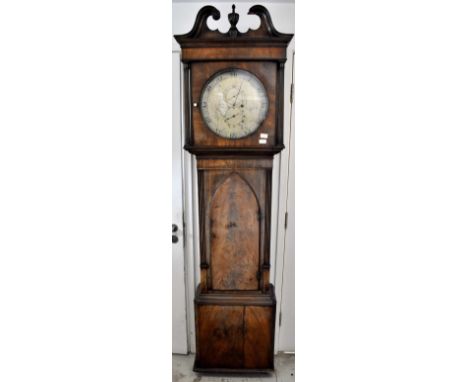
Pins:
x: 240, y: 87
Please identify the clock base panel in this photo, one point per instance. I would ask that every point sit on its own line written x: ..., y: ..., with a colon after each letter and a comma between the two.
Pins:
x: 234, y: 332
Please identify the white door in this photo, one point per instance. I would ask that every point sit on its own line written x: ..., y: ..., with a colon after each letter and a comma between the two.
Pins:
x: 287, y: 306
x: 179, y: 313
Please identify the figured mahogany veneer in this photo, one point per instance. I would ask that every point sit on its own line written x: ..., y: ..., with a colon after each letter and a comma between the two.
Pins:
x: 220, y: 336
x: 235, y: 236
x: 237, y: 335
x: 234, y: 200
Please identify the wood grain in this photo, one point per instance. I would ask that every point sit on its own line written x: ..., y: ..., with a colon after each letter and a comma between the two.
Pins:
x: 220, y: 336
x: 251, y: 233
x: 258, y: 337
x: 234, y: 337
x: 222, y: 53
x: 235, y: 236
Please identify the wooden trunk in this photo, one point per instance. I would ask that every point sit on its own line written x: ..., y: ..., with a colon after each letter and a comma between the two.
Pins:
x: 234, y: 203
x: 235, y: 302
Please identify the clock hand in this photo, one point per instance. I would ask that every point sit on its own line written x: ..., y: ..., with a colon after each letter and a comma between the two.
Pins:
x: 240, y: 87
x: 231, y: 117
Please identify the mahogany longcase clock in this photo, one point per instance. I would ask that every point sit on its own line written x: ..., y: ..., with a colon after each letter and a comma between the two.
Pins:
x: 234, y: 125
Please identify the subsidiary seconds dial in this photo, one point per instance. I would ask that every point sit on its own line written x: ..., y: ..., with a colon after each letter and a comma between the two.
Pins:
x: 234, y: 103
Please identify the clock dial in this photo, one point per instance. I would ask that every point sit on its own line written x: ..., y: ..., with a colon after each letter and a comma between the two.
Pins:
x: 234, y: 103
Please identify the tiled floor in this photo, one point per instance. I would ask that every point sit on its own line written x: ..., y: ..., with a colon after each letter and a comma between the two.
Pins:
x: 182, y: 371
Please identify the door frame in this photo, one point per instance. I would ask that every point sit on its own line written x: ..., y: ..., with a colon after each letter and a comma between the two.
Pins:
x: 281, y: 188
x: 180, y: 342
x: 285, y: 277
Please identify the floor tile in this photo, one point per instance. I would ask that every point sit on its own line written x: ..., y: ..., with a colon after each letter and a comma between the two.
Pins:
x: 284, y: 367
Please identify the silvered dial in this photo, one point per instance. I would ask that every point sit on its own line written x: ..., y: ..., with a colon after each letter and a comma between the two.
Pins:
x: 234, y: 103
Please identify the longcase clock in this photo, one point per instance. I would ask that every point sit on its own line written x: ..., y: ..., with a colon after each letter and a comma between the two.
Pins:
x: 233, y: 90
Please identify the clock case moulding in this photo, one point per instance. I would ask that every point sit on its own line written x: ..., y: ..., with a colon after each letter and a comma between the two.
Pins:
x: 261, y: 51
x: 235, y: 304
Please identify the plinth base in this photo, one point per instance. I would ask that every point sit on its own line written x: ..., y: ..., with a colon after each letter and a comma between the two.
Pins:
x: 235, y: 331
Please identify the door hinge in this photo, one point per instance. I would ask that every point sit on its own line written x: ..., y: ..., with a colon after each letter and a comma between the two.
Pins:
x: 183, y: 230
x: 292, y: 93
x: 280, y: 316
x: 285, y: 220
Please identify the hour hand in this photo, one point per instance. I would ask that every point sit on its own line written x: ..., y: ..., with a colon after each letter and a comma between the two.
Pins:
x: 231, y: 117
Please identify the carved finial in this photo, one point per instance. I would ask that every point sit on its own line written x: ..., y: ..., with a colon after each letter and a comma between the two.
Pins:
x: 233, y: 18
